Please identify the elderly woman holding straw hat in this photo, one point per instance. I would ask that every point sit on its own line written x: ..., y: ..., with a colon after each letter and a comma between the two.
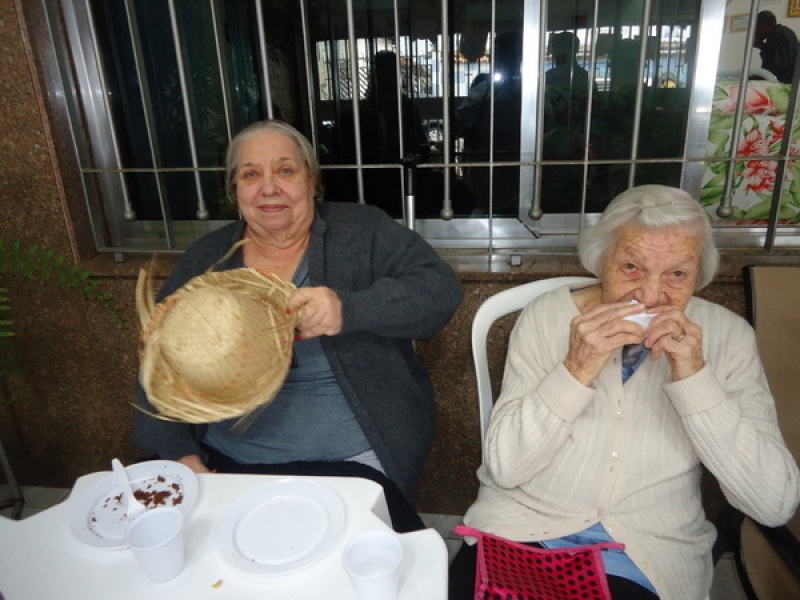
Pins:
x: 615, y: 394
x: 357, y: 400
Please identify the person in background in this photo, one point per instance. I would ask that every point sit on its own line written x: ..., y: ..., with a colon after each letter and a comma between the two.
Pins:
x: 382, y: 97
x: 566, y: 100
x: 567, y: 79
x: 615, y: 395
x: 778, y: 45
x: 358, y: 401
x: 566, y: 105
x: 476, y: 120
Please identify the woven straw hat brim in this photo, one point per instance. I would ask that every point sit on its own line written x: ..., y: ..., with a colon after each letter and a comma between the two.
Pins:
x: 217, y: 348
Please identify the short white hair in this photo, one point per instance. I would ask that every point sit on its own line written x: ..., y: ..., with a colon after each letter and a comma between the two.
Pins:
x: 270, y: 126
x: 651, y: 207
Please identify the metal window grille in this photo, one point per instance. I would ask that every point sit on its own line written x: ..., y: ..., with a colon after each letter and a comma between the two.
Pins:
x: 156, y: 91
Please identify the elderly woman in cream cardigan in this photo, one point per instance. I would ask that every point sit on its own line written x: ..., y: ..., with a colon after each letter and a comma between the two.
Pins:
x: 614, y: 396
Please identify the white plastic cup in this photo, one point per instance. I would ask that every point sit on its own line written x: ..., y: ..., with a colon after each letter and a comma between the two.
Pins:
x: 156, y: 538
x: 373, y: 562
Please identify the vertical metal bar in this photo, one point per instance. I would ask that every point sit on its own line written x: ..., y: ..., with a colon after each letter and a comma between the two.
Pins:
x: 336, y: 81
x: 263, y: 56
x: 202, y: 210
x: 356, y: 87
x: 149, y: 121
x: 534, y: 52
x: 493, y: 29
x: 129, y: 213
x: 409, y: 214
x: 637, y: 111
x: 370, y: 47
x: 312, y: 90
x: 683, y: 58
x: 399, y: 79
x: 588, y: 117
x: 780, y: 179
x: 409, y: 162
x: 223, y: 60
x: 708, y: 33
x: 447, y: 212
x: 75, y: 77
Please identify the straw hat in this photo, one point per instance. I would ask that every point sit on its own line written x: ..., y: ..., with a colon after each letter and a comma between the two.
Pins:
x: 218, y: 347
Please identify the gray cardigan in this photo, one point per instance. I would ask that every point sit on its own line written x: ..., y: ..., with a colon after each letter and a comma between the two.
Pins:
x: 394, y: 289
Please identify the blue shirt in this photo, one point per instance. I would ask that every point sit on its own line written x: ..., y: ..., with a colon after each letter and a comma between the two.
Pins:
x: 309, y: 419
x: 615, y: 562
x: 633, y: 355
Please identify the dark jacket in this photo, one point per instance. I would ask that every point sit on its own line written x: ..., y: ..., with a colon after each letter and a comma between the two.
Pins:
x: 394, y: 289
x: 779, y: 53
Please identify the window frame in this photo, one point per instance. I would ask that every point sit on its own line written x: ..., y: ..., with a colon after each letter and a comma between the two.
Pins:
x: 86, y: 98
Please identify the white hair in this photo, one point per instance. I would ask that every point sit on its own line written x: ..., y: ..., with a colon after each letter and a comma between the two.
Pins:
x: 651, y: 207
x: 270, y: 126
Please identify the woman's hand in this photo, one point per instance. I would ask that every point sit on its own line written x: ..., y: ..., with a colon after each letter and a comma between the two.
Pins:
x: 195, y: 463
x: 320, y: 311
x: 672, y: 333
x: 595, y: 334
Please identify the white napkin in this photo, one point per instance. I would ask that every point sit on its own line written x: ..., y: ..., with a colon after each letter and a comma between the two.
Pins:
x: 643, y: 319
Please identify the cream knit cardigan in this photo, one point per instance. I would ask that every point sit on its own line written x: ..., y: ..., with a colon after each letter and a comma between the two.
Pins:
x: 561, y: 456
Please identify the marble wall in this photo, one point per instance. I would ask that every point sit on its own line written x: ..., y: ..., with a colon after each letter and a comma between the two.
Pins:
x: 72, y: 385
x: 75, y: 378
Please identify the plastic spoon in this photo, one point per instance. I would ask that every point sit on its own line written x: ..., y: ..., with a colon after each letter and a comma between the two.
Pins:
x: 134, y: 506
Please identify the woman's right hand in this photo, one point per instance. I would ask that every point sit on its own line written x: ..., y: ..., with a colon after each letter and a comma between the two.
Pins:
x: 195, y: 463
x: 320, y: 311
x: 595, y: 334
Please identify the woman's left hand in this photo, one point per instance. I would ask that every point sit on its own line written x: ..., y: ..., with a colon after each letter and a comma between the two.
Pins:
x: 672, y: 333
x: 320, y: 311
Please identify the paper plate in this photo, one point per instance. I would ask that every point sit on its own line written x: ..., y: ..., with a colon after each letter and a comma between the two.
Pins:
x: 98, y: 517
x: 281, y: 527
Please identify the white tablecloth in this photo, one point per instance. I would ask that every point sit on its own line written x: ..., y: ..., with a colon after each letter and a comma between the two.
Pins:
x: 40, y: 559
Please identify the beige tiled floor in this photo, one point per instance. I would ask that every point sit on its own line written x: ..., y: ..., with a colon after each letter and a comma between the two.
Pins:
x: 725, y: 586
x: 444, y: 524
x: 726, y: 583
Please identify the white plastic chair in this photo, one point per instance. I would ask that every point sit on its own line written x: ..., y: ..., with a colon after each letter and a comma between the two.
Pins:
x: 495, y: 307
x: 500, y: 305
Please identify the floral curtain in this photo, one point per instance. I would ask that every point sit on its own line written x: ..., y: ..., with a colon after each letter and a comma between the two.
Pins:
x: 762, y: 131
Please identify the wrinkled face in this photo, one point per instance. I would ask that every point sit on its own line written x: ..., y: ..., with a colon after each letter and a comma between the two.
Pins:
x: 656, y: 267
x: 274, y: 189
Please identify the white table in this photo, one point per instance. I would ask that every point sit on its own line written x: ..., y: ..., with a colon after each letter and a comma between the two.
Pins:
x: 41, y: 559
